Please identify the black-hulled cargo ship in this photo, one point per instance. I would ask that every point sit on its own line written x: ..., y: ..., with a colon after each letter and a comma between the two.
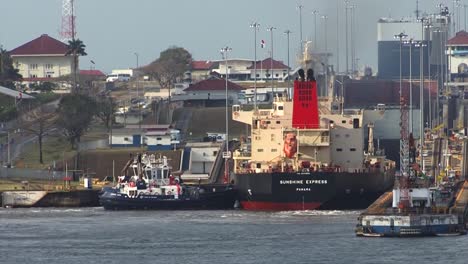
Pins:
x: 152, y: 186
x: 302, y: 155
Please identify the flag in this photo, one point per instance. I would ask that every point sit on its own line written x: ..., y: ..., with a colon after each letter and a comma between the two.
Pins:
x: 262, y: 44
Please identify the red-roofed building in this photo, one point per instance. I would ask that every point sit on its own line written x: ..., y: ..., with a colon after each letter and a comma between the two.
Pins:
x: 93, y: 73
x: 201, y: 70
x: 212, y: 92
x: 239, y: 69
x: 42, y: 58
x: 264, y: 68
x: 457, y: 50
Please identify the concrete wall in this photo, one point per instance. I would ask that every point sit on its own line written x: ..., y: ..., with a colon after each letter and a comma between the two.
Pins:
x: 30, y: 174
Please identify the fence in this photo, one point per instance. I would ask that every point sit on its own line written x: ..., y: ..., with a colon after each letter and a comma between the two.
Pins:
x: 14, y: 173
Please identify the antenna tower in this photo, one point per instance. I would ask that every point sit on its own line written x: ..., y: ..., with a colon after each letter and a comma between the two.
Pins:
x: 67, y: 31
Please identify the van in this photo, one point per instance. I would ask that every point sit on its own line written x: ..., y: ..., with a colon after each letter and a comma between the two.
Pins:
x: 123, y: 77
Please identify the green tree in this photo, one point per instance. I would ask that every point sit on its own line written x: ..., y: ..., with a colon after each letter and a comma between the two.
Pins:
x: 105, y: 111
x: 43, y: 86
x: 8, y: 73
x: 76, y: 48
x: 170, y: 67
x: 38, y: 122
x: 75, y: 113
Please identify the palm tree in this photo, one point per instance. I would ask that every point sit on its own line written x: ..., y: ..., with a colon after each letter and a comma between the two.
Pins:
x: 76, y: 48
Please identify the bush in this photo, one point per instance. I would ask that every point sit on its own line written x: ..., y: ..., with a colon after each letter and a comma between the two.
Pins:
x: 8, y: 113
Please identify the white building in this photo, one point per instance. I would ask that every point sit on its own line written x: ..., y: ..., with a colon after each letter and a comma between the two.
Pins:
x: 154, y: 137
x: 457, y: 51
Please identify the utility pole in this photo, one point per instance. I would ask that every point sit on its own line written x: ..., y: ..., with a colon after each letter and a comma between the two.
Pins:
x: 300, y: 24
x: 227, y: 156
x: 255, y: 27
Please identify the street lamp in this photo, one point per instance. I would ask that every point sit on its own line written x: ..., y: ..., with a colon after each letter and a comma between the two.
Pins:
x: 421, y: 46
x: 410, y: 42
x: 270, y: 29
x: 224, y: 52
x: 255, y: 26
x: 401, y: 37
x: 428, y: 25
x: 288, y: 32
x: 315, y: 12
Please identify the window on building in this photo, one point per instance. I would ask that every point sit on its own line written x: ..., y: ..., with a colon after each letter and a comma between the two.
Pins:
x: 260, y: 150
x: 339, y: 149
x: 49, y: 66
x: 352, y: 149
x: 274, y: 150
x: 33, y: 66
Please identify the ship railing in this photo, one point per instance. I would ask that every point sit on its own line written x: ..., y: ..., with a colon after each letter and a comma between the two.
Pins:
x: 238, y: 153
x: 418, y: 210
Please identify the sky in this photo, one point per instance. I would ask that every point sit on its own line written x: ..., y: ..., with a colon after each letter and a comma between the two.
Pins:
x: 114, y: 31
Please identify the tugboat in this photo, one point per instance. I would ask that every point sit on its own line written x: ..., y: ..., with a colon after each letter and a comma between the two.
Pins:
x: 418, y: 205
x: 152, y: 186
x: 417, y: 210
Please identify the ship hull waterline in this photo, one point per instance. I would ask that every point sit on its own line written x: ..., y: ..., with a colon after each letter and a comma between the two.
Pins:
x: 311, y: 190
